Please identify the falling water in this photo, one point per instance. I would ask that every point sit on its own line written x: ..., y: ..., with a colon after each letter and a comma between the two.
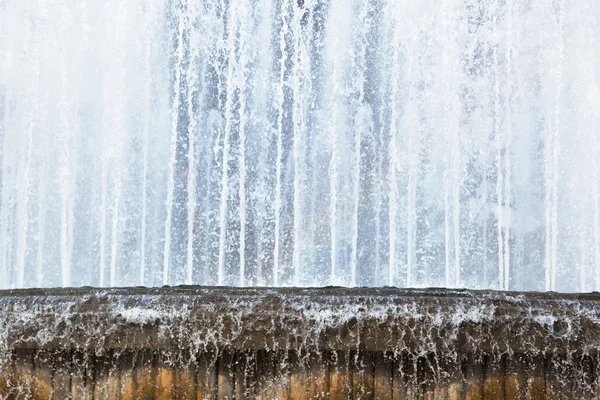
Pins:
x: 300, y: 142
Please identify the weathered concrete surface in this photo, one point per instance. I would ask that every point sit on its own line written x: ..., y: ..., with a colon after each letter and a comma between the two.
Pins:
x: 298, y: 343
x: 311, y: 319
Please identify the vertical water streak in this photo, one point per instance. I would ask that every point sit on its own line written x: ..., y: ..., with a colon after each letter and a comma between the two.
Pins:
x: 547, y: 214
x: 65, y: 136
x: 596, y: 213
x: 518, y: 252
x: 456, y: 194
x: 103, y: 211
x: 457, y: 162
x: 484, y: 244
x: 360, y: 117
x: 213, y: 90
x: 582, y: 252
x: 24, y: 193
x: 498, y: 141
x: 548, y: 203
x: 179, y: 53
x: 313, y: 200
x: 114, y: 232
x: 104, y: 165
x: 379, y: 189
x: 340, y: 110
x: 262, y: 100
x: 447, y: 217
x: 415, y: 131
x: 595, y: 145
x: 333, y: 183
x: 245, y: 48
x: 392, y: 154
x: 509, y: 135
x: 556, y: 138
x: 552, y: 211
x: 242, y: 183
x: 280, y: 115
x: 41, y: 220
x: 42, y: 201
x: 297, y: 123
x: 192, y: 80
x: 383, y: 276
x: 333, y: 178
x: 451, y: 190
x: 228, y: 115
x: 412, y: 121
x: 24, y: 181
x: 456, y: 183
x: 118, y: 141
x: 411, y: 223
x: 5, y: 206
x: 506, y: 234
x: 595, y: 153
x: 149, y: 20
x: 447, y: 156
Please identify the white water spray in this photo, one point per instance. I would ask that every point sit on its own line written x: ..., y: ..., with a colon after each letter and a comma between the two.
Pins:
x: 297, y: 142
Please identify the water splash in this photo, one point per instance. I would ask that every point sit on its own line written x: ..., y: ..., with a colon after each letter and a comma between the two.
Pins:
x: 300, y: 142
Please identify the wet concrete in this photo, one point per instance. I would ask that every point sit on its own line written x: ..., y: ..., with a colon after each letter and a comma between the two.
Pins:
x: 279, y: 343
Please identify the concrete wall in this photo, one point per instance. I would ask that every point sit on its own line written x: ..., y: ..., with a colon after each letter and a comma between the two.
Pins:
x: 195, y: 343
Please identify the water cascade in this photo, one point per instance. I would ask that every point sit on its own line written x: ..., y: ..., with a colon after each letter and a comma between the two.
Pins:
x: 410, y: 143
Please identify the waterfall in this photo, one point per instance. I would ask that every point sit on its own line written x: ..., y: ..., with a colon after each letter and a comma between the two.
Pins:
x: 449, y: 143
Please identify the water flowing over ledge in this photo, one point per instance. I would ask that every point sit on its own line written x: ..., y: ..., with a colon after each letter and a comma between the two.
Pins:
x: 418, y: 321
x: 188, y: 342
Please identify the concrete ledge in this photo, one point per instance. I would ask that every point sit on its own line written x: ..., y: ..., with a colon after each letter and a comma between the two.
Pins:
x: 197, y: 318
x: 333, y: 343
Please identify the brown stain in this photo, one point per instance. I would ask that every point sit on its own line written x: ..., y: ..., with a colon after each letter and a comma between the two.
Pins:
x: 225, y: 377
x: 127, y: 386
x: 164, y: 390
x: 185, y: 383
x: 455, y: 391
x: 206, y: 377
x: 317, y: 377
x: 340, y: 376
x: 145, y: 386
x: 536, y: 388
x: 42, y: 390
x: 515, y: 380
x: 362, y: 376
x: 274, y: 376
x: 383, y: 377
x: 493, y: 387
x: 493, y: 384
x: 19, y: 383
